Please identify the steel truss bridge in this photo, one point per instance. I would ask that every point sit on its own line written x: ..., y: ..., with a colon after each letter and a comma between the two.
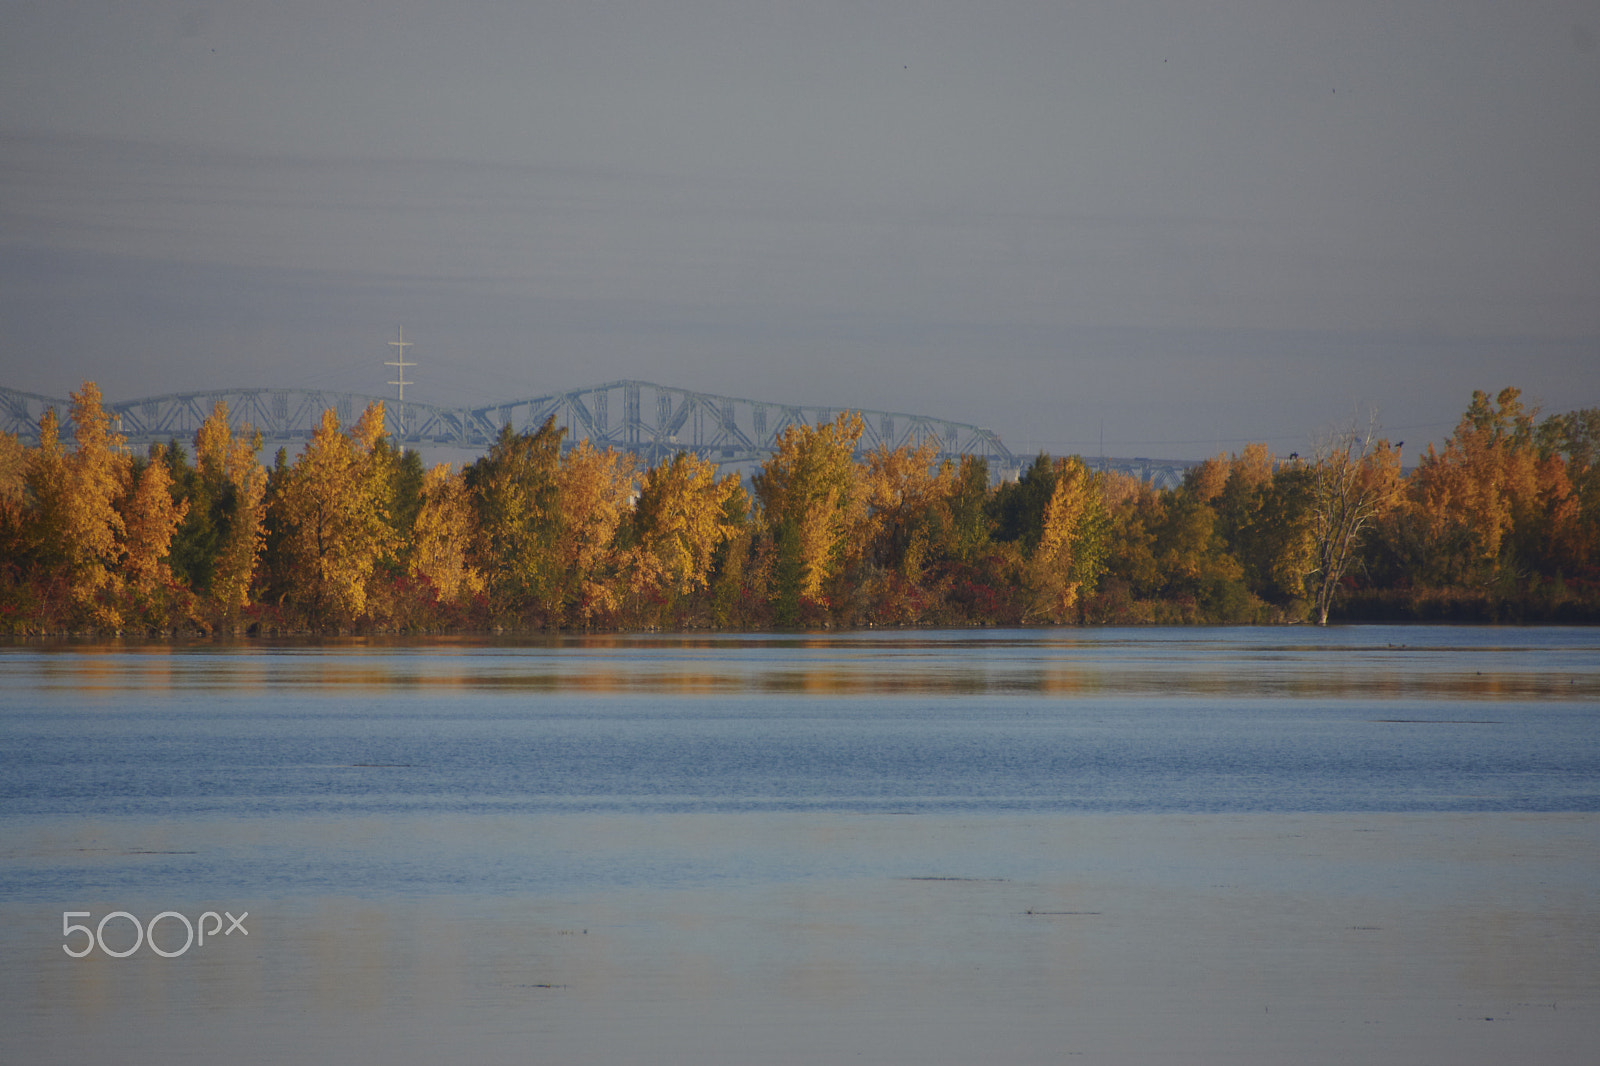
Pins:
x: 651, y: 421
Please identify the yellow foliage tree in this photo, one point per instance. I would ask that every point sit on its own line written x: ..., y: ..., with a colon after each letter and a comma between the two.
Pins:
x: 906, y: 496
x: 1207, y: 480
x: 812, y: 499
x: 593, y: 488
x: 679, y: 523
x: 1072, y: 542
x: 442, y: 537
x: 1252, y: 468
x: 332, y: 515
x: 13, y: 463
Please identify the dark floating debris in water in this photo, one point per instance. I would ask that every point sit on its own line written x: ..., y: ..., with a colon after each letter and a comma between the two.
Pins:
x: 1434, y: 721
x: 1053, y: 914
x: 140, y: 851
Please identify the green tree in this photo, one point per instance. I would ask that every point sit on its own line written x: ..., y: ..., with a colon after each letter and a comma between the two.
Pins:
x: 220, y: 540
x: 1056, y: 516
x: 405, y: 476
x: 515, y: 500
x: 966, y: 537
x: 1264, y: 521
x: 1017, y: 507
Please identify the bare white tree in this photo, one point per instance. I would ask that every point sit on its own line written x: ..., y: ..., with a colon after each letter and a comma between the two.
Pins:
x: 1355, y: 479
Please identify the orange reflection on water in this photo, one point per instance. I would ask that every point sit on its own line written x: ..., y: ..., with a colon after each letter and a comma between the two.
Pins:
x: 815, y: 666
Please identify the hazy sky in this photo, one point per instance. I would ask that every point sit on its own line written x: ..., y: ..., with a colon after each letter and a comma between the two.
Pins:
x: 1177, y: 224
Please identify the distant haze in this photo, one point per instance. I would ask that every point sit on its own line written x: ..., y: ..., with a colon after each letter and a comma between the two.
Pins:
x: 1160, y: 228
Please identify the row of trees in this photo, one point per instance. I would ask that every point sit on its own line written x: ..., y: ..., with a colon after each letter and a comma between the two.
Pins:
x: 355, y: 534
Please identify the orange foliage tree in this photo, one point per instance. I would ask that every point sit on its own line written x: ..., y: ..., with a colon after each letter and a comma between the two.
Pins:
x: 76, y: 527
x: 1466, y: 500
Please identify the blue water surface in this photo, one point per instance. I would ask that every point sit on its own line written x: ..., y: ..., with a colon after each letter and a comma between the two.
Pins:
x: 417, y: 739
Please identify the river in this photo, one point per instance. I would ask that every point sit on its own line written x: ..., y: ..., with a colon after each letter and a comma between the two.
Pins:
x: 1374, y: 844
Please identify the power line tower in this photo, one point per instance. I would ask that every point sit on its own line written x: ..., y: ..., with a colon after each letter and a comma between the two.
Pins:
x: 402, y: 344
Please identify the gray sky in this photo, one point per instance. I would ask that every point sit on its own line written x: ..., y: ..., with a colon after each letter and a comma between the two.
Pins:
x: 1181, y: 225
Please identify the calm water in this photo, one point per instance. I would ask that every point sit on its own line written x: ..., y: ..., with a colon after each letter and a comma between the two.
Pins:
x: 1373, y: 844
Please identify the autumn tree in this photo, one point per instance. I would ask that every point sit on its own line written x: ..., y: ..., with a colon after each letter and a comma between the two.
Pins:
x: 1571, y: 442
x: 75, y: 528
x: 906, y: 532
x: 1066, y: 560
x: 811, y: 500
x: 17, y: 604
x: 150, y: 517
x: 442, y: 537
x: 13, y: 461
x: 1135, y: 510
x: 331, y: 510
x: 907, y: 495
x: 593, y: 487
x: 233, y: 573
x: 680, y: 522
x: 1464, y: 502
x: 1206, y: 481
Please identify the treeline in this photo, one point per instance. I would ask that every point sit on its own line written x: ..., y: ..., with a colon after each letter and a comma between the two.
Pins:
x: 355, y: 535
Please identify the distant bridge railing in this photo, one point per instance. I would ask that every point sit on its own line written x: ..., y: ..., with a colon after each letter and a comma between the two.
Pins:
x: 652, y: 421
x: 649, y: 420
x: 1159, y: 473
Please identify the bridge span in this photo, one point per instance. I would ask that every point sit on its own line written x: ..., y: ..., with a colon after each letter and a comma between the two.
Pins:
x: 652, y: 421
